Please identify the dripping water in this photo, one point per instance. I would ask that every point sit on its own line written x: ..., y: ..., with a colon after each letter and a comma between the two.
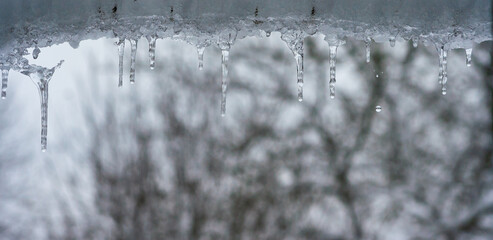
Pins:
x: 133, y: 54
x: 152, y: 51
x: 332, y: 63
x: 368, y: 49
x: 392, y: 41
x: 200, y: 52
x: 468, y: 56
x: 224, y: 80
x: 121, y: 50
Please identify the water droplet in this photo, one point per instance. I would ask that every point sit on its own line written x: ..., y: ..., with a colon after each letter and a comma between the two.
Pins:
x: 378, y: 109
x: 468, y: 56
x: 200, y: 51
x: 332, y: 63
x: 152, y: 51
x: 36, y: 52
x: 133, y: 54
x: 415, y: 41
x: 224, y: 80
x: 267, y: 33
x: 376, y: 76
x: 392, y: 41
x: 121, y: 49
x: 368, y: 49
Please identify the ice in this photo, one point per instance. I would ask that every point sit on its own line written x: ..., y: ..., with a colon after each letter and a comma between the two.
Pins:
x: 294, y: 41
x: 444, y: 71
x: 152, y: 51
x: 415, y: 41
x: 392, y: 41
x: 121, y: 51
x: 368, y: 49
x: 5, y: 79
x: 468, y: 56
x: 36, y: 52
x: 332, y: 63
x: 224, y: 80
x: 41, y: 77
x: 200, y: 52
x: 133, y: 55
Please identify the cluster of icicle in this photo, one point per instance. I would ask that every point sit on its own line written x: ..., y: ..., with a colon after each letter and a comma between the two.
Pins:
x: 41, y: 76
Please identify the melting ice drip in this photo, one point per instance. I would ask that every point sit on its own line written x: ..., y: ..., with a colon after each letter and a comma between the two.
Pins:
x: 224, y: 79
x: 442, y: 70
x: 332, y: 69
x: 5, y: 79
x: 368, y: 49
x: 294, y: 40
x: 41, y: 77
x: 121, y: 51
x: 152, y: 51
x: 133, y: 54
x: 200, y: 52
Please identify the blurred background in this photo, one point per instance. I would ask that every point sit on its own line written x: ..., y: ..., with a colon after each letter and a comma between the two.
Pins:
x: 155, y: 160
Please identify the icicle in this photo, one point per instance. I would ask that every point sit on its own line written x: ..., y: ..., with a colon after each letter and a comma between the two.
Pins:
x: 368, y: 49
x: 468, y: 56
x: 440, y: 66
x: 378, y: 109
x: 444, y: 72
x: 332, y: 62
x: 133, y: 54
x: 415, y: 41
x: 121, y: 50
x: 5, y: 79
x: 392, y: 41
x: 152, y: 51
x: 200, y: 51
x: 224, y: 80
x: 299, y: 73
x: 36, y: 52
x: 41, y: 77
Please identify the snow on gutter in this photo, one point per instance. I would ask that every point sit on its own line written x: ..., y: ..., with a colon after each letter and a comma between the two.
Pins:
x: 447, y: 24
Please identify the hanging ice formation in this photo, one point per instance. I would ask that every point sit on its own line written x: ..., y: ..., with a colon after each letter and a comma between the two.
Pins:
x: 200, y: 52
x: 41, y: 77
x: 133, y: 54
x: 392, y: 41
x: 368, y: 48
x: 36, y: 52
x: 152, y: 51
x: 415, y: 41
x: 294, y: 40
x: 5, y: 79
x: 121, y: 51
x: 442, y: 70
x: 225, y: 42
x: 468, y: 56
x: 332, y: 69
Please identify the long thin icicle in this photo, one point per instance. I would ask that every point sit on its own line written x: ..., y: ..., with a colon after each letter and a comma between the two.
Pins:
x: 468, y: 56
x: 41, y: 77
x: 152, y: 51
x: 224, y: 80
x: 332, y: 62
x: 368, y: 49
x: 440, y: 66
x: 133, y: 54
x: 299, y: 73
x: 5, y: 79
x: 444, y: 72
x: 200, y: 52
x: 121, y: 51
